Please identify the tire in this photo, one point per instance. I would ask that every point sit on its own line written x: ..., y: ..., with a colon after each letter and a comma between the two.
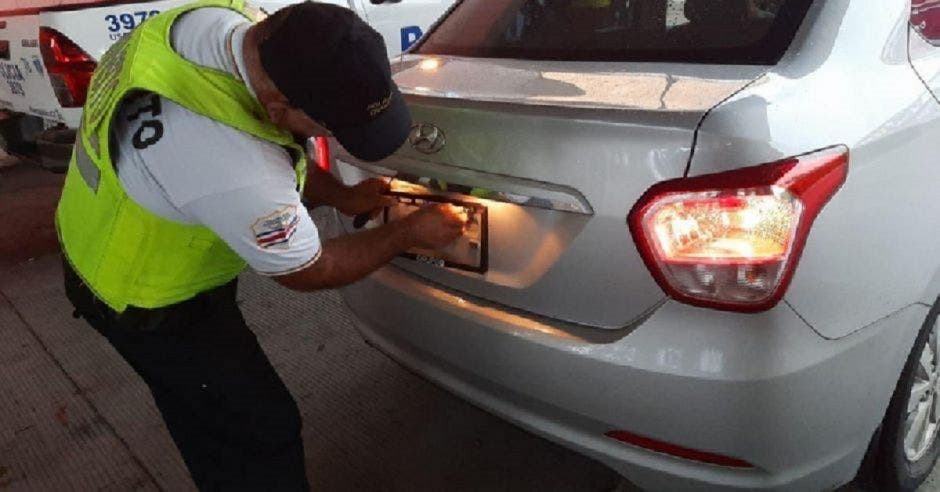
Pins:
x: 18, y: 133
x: 55, y: 149
x: 899, y: 467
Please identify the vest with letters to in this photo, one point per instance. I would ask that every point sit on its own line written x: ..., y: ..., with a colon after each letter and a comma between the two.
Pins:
x: 125, y: 254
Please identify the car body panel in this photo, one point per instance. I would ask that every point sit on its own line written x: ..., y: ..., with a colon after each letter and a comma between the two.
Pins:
x: 534, y: 251
x: 24, y: 84
x: 892, y: 147
x: 720, y: 385
x: 607, y: 148
x: 925, y: 57
x: 679, y: 89
x: 94, y: 30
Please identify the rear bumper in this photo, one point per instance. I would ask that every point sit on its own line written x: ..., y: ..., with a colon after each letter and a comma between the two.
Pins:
x: 764, y: 388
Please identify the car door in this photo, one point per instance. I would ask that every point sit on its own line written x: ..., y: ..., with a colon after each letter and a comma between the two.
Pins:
x: 402, y: 22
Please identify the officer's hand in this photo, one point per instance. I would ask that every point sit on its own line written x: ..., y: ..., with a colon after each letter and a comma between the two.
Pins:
x: 365, y: 197
x: 436, y: 226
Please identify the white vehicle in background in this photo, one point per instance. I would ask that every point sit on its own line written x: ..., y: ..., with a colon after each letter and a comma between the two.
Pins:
x: 50, y: 48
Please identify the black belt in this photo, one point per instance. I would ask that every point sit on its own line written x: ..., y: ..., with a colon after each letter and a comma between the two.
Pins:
x: 87, y: 305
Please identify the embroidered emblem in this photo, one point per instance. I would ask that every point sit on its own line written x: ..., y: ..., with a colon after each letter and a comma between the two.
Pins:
x: 276, y: 230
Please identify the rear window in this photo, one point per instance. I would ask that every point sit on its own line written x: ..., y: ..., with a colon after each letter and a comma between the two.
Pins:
x: 689, y: 31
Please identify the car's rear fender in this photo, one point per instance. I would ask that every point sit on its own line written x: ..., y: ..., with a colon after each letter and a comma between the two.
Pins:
x: 873, y: 248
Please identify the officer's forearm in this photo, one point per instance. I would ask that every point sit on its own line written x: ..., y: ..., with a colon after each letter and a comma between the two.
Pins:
x: 347, y: 259
x: 323, y: 188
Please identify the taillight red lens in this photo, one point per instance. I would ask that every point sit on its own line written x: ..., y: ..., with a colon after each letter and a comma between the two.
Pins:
x: 321, y: 149
x: 677, y: 451
x: 732, y: 240
x: 70, y: 69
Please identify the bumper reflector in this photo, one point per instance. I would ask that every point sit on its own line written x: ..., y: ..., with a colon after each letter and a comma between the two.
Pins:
x: 677, y: 451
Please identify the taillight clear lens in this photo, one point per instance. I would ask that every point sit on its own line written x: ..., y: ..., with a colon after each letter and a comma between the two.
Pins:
x: 732, y: 240
x: 728, y: 246
x: 70, y: 68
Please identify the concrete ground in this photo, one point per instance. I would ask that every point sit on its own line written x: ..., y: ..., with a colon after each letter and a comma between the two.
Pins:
x: 74, y: 416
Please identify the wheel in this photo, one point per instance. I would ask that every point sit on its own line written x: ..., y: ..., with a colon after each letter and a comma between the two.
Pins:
x: 17, y: 133
x: 909, y: 443
x: 55, y: 148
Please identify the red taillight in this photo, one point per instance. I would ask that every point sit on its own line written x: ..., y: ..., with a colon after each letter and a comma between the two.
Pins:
x: 69, y: 67
x: 678, y: 451
x: 321, y: 150
x: 732, y: 240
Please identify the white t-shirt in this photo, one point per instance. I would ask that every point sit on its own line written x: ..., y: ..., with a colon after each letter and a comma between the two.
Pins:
x: 190, y: 169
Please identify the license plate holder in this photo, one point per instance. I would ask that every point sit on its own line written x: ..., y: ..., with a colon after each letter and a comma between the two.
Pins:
x: 469, y: 253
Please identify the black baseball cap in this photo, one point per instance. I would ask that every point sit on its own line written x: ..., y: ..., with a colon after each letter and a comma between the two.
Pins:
x: 332, y: 65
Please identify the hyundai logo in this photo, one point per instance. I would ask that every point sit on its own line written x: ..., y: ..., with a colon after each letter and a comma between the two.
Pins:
x: 426, y: 138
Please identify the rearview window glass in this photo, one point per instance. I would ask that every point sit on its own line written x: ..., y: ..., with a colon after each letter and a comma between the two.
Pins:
x: 692, y: 31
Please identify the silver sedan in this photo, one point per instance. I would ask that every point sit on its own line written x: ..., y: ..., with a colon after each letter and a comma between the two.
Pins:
x: 703, y: 242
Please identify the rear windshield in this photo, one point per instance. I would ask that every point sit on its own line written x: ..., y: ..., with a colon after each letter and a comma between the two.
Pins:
x: 690, y: 31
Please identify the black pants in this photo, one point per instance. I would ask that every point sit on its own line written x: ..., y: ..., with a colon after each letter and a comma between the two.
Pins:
x: 232, y: 418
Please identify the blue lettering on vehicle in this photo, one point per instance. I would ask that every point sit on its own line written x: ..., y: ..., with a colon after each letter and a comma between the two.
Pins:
x: 125, y: 22
x: 37, y: 64
x: 11, y: 73
x: 409, y: 36
x: 27, y: 67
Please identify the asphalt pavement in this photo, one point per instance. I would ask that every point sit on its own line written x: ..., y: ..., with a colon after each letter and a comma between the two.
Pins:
x: 74, y: 416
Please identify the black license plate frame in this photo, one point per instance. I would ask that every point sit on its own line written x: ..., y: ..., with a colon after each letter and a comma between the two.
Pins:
x: 439, y: 258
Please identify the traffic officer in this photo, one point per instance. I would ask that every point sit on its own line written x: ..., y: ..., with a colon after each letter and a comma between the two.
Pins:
x: 185, y: 170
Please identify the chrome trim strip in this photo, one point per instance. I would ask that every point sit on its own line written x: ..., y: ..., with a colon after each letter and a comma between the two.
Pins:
x: 444, y: 179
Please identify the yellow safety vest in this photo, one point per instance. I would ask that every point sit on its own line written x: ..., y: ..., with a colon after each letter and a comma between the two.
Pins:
x: 591, y: 4
x: 127, y: 255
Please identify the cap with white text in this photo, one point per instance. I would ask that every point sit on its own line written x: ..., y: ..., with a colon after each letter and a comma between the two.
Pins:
x: 332, y: 65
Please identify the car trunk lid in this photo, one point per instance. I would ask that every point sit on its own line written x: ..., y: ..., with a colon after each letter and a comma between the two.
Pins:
x: 572, y: 145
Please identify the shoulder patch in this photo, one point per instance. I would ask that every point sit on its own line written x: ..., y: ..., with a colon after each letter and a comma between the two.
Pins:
x: 277, y: 229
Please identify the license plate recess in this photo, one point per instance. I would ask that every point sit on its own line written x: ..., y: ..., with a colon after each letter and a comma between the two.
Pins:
x: 469, y: 253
